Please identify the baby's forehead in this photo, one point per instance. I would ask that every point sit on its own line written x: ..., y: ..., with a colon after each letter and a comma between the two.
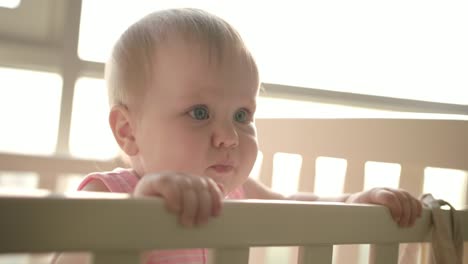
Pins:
x: 190, y: 68
x: 204, y: 54
x: 214, y: 47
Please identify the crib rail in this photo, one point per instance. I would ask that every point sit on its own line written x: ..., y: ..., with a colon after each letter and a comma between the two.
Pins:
x: 121, y: 228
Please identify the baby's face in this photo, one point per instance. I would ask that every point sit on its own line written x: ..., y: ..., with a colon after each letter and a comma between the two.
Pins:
x: 198, y: 116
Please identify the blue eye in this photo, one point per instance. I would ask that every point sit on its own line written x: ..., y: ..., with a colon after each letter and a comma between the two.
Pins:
x: 241, y: 116
x: 199, y: 113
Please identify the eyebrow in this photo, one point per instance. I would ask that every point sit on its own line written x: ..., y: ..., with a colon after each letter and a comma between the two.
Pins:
x: 190, y: 97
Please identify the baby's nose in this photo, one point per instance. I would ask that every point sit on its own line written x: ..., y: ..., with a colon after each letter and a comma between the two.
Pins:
x: 225, y: 135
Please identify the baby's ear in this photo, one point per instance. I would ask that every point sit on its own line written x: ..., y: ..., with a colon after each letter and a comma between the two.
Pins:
x: 123, y: 130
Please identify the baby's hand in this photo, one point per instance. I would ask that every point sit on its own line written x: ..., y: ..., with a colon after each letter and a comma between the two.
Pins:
x: 404, y: 208
x: 193, y: 199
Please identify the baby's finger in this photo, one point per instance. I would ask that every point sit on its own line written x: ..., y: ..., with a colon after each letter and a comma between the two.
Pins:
x: 204, y: 207
x: 172, y: 196
x: 200, y: 185
x: 217, y: 197
x: 160, y: 185
x: 189, y: 208
x: 406, y: 205
x: 149, y: 185
x: 388, y: 199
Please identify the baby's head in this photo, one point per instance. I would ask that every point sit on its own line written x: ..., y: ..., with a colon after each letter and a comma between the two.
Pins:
x: 182, y: 88
x: 131, y: 66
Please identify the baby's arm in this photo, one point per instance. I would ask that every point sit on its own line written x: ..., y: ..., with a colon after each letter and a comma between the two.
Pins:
x: 404, y: 208
x: 193, y: 199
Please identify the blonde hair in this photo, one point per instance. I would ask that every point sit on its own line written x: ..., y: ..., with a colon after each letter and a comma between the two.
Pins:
x: 130, y: 66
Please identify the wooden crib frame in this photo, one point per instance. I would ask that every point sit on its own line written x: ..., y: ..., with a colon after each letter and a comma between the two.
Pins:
x: 109, y: 228
x: 27, y: 223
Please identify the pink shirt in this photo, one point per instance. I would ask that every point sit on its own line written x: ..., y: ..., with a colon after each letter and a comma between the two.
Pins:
x: 124, y: 181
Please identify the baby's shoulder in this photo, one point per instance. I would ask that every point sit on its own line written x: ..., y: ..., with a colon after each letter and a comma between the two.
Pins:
x: 118, y: 180
x: 95, y: 185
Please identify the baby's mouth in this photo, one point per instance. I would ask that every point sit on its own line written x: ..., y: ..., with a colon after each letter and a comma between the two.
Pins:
x: 219, y: 168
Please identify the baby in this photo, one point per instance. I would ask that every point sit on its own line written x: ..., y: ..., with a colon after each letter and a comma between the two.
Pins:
x: 182, y: 89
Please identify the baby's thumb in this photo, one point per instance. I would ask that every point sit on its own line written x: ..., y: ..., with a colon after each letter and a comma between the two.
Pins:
x: 221, y: 188
x: 147, y: 187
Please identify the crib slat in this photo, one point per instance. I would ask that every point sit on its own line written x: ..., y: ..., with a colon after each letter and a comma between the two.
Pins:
x: 307, y: 178
x: 383, y: 254
x: 315, y: 254
x: 230, y: 256
x: 409, y: 181
x: 116, y: 258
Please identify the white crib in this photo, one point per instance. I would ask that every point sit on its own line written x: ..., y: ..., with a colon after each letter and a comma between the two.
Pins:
x: 35, y: 225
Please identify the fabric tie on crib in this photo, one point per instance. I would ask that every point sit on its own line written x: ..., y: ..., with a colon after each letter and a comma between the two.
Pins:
x: 446, y: 241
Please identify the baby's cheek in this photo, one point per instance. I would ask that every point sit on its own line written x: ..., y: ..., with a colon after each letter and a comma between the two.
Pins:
x: 249, y: 150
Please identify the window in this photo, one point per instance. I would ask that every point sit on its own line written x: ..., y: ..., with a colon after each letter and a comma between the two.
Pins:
x: 330, y: 176
x: 286, y: 172
x: 18, y: 180
x: 9, y: 3
x: 447, y: 184
x: 29, y: 110
x: 90, y: 135
x: 381, y: 174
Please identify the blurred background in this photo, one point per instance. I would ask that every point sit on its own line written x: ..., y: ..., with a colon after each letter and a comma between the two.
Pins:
x: 317, y: 59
